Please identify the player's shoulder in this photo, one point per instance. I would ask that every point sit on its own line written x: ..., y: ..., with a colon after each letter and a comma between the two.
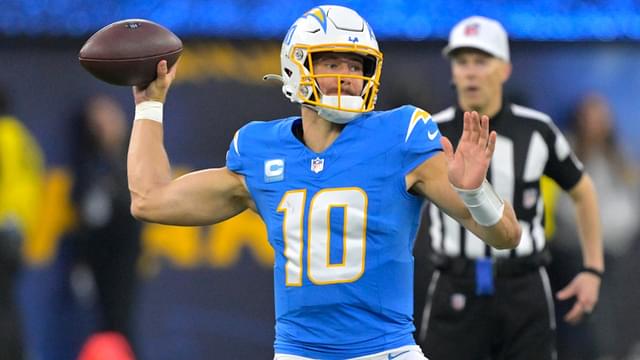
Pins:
x: 253, y: 128
x: 258, y: 134
x: 402, y: 124
x: 402, y: 112
x: 398, y: 118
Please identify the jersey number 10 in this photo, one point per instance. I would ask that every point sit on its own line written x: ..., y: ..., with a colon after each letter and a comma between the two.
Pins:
x: 320, y: 270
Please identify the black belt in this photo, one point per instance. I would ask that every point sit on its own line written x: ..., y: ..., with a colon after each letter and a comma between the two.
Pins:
x: 502, y: 267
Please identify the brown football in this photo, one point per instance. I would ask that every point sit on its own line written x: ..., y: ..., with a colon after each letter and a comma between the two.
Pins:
x: 128, y: 51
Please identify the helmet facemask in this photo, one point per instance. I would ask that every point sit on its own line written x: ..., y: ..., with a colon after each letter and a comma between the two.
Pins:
x: 339, y: 107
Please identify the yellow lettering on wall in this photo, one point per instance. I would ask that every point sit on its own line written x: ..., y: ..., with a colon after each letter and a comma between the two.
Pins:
x: 228, y: 238
x: 183, y: 247
x: 219, y: 246
x: 224, y: 61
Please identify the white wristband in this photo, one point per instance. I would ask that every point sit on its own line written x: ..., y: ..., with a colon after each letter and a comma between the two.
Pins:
x: 149, y: 110
x: 484, y: 204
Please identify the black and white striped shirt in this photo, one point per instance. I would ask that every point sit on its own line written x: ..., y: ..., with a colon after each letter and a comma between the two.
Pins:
x: 528, y: 146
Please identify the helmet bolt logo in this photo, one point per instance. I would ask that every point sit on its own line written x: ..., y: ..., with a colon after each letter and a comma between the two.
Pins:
x: 304, y: 90
x: 299, y: 54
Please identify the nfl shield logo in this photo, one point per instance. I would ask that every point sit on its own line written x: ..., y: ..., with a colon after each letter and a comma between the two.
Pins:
x: 317, y: 165
x: 529, y: 198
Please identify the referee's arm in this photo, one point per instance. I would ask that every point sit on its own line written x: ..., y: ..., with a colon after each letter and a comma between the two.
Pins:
x: 585, y: 286
x: 588, y: 220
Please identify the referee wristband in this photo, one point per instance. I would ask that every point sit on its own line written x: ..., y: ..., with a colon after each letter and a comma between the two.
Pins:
x: 484, y: 204
x: 593, y: 271
x: 149, y: 110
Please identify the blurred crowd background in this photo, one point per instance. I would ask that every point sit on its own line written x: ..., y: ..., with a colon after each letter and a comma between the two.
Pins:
x: 77, y: 272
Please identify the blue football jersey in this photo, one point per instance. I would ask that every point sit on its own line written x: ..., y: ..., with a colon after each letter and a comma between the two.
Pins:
x: 342, y: 225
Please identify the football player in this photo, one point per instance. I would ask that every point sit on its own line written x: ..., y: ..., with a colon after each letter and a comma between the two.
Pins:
x: 339, y: 187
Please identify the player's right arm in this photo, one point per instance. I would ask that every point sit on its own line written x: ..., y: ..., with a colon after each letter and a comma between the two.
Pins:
x: 198, y: 198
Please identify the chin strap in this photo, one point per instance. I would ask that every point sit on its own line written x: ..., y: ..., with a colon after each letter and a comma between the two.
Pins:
x: 340, y: 116
x: 337, y: 116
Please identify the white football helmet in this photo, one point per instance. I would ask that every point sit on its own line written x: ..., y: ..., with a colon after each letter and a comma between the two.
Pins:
x: 330, y: 29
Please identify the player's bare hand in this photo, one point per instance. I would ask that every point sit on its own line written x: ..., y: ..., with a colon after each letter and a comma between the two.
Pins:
x: 585, y: 288
x: 158, y: 88
x: 468, y: 165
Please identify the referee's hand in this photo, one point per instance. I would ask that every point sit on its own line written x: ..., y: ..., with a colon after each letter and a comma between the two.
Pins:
x: 585, y: 288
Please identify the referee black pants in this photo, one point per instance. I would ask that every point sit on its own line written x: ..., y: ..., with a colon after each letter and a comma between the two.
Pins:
x: 517, y: 322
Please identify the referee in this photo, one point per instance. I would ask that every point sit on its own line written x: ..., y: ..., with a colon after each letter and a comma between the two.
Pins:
x: 484, y: 303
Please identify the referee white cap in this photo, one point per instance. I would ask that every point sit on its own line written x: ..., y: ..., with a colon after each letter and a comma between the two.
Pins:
x: 478, y: 32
